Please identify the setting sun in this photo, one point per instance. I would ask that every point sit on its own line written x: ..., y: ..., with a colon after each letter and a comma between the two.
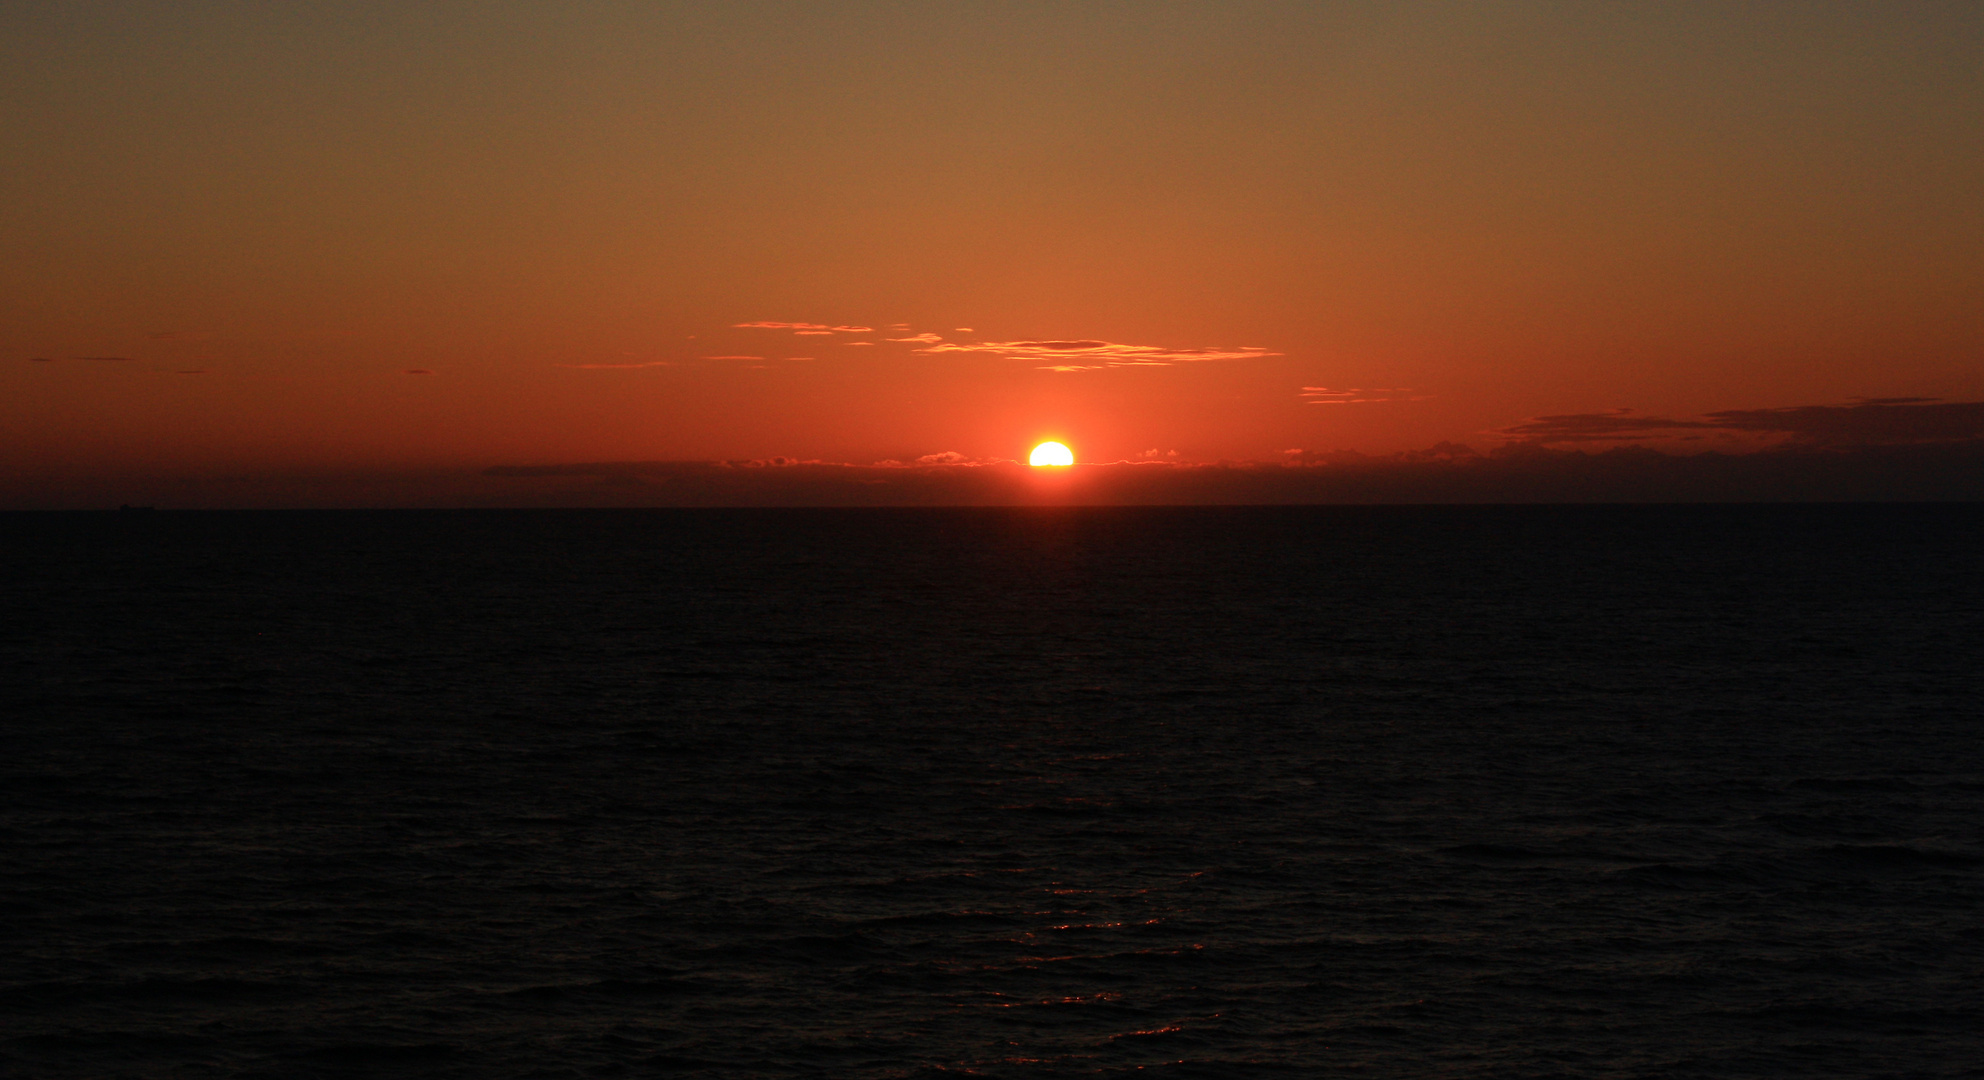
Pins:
x: 1051, y: 453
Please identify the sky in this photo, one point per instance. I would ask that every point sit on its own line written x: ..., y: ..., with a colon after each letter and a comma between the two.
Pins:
x: 293, y: 239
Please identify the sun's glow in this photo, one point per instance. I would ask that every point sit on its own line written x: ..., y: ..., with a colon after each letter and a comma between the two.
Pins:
x: 1051, y: 453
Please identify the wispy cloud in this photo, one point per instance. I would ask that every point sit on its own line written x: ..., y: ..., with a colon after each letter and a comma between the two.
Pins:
x: 803, y: 327
x: 417, y: 371
x: 117, y: 359
x: 924, y: 338
x: 642, y: 364
x: 733, y: 358
x: 1868, y: 422
x: 1090, y: 355
x: 1323, y: 395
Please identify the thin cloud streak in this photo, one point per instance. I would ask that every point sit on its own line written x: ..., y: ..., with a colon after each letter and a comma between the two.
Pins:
x: 1323, y: 395
x: 803, y: 327
x: 1869, y: 422
x: 1091, y: 355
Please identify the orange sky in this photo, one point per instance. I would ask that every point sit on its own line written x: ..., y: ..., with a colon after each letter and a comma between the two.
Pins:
x: 1470, y: 215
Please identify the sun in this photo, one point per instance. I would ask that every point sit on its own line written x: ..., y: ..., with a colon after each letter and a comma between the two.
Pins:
x: 1051, y: 453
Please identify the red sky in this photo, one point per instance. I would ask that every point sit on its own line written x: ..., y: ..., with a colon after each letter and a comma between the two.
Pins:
x: 1280, y: 225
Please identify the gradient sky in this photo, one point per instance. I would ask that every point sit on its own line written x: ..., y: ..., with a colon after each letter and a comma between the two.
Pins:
x: 232, y: 230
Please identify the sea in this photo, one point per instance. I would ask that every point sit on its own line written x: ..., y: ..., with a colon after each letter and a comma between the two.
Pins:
x: 1362, y: 791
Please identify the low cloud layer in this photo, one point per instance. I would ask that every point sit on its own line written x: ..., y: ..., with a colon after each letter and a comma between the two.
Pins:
x: 1874, y: 422
x: 1448, y: 473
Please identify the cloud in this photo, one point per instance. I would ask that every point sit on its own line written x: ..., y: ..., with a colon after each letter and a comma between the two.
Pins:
x: 803, y: 327
x: 733, y: 358
x: 857, y: 343
x: 1869, y: 422
x: 181, y: 335
x: 924, y: 338
x: 646, y: 363
x: 1595, y: 427
x: 1090, y: 355
x: 192, y: 371
x: 117, y: 359
x: 417, y: 371
x: 941, y: 459
x: 1323, y: 395
x: 963, y: 329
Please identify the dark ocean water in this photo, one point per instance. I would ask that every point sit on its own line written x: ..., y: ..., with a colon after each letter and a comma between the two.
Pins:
x: 1379, y: 792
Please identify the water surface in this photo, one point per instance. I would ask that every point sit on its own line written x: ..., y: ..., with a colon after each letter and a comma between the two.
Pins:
x: 1381, y: 792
